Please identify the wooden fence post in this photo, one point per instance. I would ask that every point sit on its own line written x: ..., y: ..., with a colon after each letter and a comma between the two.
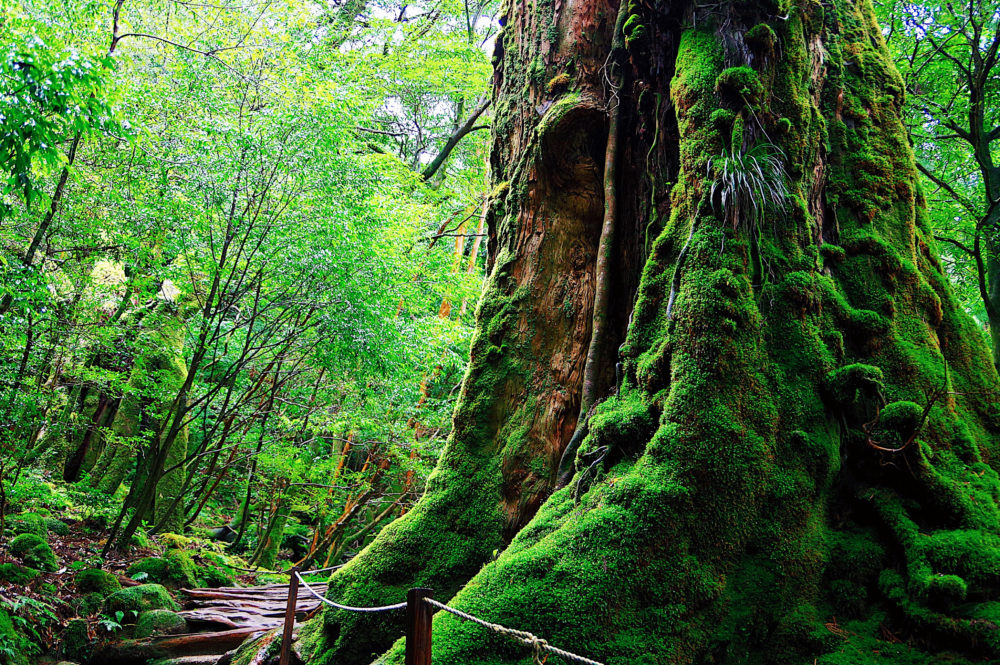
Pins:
x: 418, y: 627
x: 286, y: 635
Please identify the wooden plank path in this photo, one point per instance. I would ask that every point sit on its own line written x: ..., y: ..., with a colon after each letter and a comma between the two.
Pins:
x: 219, y: 619
x: 261, y: 607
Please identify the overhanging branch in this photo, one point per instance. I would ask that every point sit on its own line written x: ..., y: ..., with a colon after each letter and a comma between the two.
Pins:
x: 460, y: 133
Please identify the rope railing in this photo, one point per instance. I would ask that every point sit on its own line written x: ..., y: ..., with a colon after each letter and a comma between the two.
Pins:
x: 258, y: 570
x: 348, y: 608
x: 322, y: 570
x: 537, y: 644
x: 418, y: 635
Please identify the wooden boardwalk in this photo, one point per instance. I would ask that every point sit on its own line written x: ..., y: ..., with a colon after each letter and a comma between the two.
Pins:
x: 261, y: 607
x: 219, y: 621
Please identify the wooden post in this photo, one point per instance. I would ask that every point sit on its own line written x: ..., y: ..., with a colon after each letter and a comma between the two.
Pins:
x: 418, y: 627
x: 286, y: 634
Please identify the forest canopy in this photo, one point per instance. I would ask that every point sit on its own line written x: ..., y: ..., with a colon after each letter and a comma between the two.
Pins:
x: 508, y: 301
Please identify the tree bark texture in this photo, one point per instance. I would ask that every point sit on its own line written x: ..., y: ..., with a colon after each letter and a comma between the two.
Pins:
x: 797, y: 460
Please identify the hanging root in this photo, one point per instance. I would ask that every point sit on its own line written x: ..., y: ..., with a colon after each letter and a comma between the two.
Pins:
x: 602, y: 280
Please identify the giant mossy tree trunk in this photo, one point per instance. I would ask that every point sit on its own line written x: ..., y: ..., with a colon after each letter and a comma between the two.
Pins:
x: 797, y: 462
x: 160, y: 370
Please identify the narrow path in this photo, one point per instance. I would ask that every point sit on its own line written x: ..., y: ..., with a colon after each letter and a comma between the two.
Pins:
x: 220, y: 620
x: 261, y: 607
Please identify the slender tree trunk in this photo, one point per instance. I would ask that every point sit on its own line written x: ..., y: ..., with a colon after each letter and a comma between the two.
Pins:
x: 993, y: 305
x: 797, y: 463
x: 43, y: 227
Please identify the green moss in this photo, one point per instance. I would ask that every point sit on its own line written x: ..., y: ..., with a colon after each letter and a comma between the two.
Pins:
x: 75, y: 641
x: 89, y: 603
x: 15, y: 574
x: 57, y: 527
x: 722, y: 119
x: 855, y: 383
x: 15, y: 647
x: 739, y: 85
x: 269, y: 643
x: 849, y: 599
x: 762, y: 39
x: 140, y: 598
x: 95, y: 580
x: 28, y: 523
x: 751, y: 524
x: 34, y: 552
x: 153, y: 623
x: 634, y: 31
x: 558, y: 83
x: 833, y: 253
x: 901, y: 419
x: 856, y: 555
x: 623, y: 421
x: 141, y: 539
x: 175, y: 569
x: 947, y: 589
x: 217, y: 572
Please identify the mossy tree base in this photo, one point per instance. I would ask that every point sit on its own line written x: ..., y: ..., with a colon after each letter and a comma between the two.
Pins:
x: 796, y: 461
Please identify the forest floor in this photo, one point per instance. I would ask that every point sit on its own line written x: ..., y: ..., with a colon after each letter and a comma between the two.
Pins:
x: 61, y: 600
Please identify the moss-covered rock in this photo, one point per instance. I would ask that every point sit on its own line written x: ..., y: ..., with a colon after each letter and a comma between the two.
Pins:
x: 258, y: 650
x: 15, y: 574
x: 217, y: 572
x: 27, y: 523
x: 95, y: 580
x: 139, y: 599
x: 175, y: 541
x: 56, y: 526
x: 88, y: 603
x: 76, y: 642
x: 174, y: 569
x: 35, y: 552
x: 141, y: 539
x: 159, y: 622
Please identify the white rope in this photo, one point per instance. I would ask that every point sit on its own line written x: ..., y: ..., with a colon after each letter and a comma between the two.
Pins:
x: 384, y: 608
x: 322, y: 570
x: 537, y: 644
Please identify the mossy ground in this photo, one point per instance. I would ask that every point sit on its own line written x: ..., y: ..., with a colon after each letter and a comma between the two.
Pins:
x: 159, y: 622
x: 137, y: 599
x: 174, y: 569
x: 94, y: 580
x: 34, y: 552
x: 15, y: 574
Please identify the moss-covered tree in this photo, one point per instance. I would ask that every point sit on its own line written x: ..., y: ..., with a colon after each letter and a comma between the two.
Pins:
x: 791, y: 426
